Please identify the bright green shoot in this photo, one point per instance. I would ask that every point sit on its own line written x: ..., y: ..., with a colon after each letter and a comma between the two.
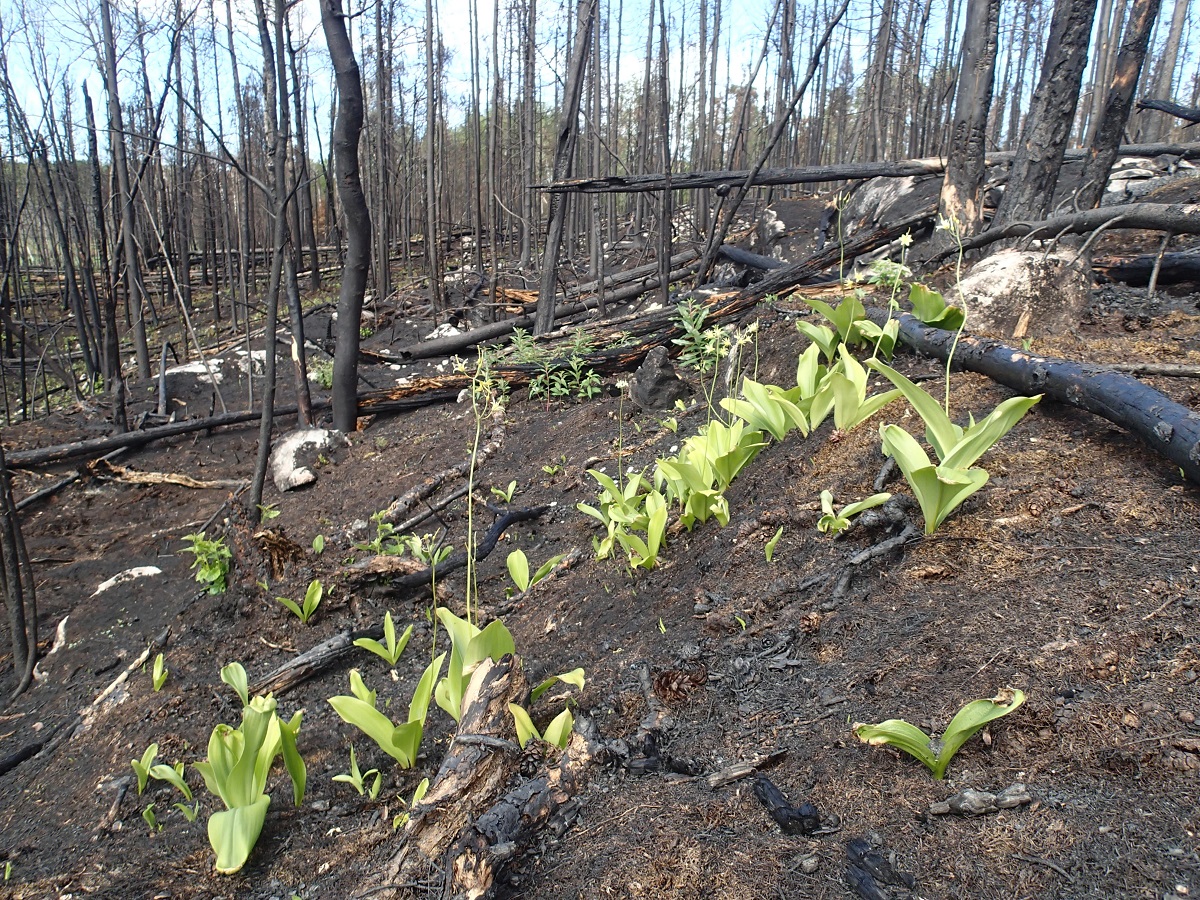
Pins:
x: 518, y: 569
x: 470, y: 645
x: 358, y: 779
x: 558, y: 732
x: 159, y: 673
x: 767, y: 408
x: 505, y: 494
x: 931, y: 308
x: 312, y: 599
x: 936, y: 755
x: 844, y: 392
x: 939, y: 489
x: 769, y: 549
x: 835, y: 521
x: 391, y: 648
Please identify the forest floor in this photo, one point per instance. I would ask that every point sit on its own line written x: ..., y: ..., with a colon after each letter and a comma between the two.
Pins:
x: 1073, y: 576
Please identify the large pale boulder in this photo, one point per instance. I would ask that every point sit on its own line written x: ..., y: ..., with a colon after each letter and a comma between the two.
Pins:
x: 1013, y: 294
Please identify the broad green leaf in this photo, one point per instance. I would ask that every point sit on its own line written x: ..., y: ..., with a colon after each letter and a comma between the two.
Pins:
x: 142, y: 767
x: 234, y: 675
x: 853, y: 509
x: 518, y: 569
x: 293, y: 762
x: 931, y: 308
x: 574, y: 677
x: 418, y: 707
x: 970, y: 719
x: 982, y: 436
x: 370, y: 722
x: 312, y: 597
x: 291, y: 605
x: 525, y: 727
x: 558, y: 732
x: 939, y: 490
x: 899, y: 734
x: 769, y: 549
x: 234, y: 832
x: 172, y: 776
x: 822, y: 338
x: 544, y: 568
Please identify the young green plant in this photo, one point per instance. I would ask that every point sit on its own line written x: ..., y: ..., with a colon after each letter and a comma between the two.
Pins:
x: 312, y: 599
x: 391, y: 648
x: 835, y: 521
x: 518, y: 569
x: 401, y: 742
x: 936, y: 755
x: 210, y: 561
x: 357, y: 779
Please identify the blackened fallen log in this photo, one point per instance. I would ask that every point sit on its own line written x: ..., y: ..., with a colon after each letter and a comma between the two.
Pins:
x: 936, y: 165
x: 740, y: 257
x: 1178, y: 110
x: 1168, y: 428
x: 1179, y: 218
x: 312, y: 661
x: 1174, y: 269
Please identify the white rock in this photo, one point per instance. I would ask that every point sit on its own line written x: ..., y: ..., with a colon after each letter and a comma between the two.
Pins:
x: 288, y: 470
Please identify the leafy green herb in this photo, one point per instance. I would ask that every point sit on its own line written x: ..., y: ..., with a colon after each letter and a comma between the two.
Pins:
x: 391, y: 648
x: 312, y: 599
x: 210, y: 561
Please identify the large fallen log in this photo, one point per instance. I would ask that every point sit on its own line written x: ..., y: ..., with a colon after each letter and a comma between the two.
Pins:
x: 935, y: 165
x: 1168, y: 428
x: 1178, y: 218
x: 1173, y: 268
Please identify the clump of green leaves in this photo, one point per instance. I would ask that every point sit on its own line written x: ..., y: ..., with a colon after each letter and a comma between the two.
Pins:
x: 312, y: 599
x: 942, y: 488
x: 239, y: 760
x: 834, y: 521
x: 210, y: 561
x: 558, y: 732
x: 386, y: 541
x: 357, y: 779
x: 322, y: 373
x: 391, y: 648
x: 505, y: 493
x: 470, y: 645
x: 936, y: 754
x: 401, y: 742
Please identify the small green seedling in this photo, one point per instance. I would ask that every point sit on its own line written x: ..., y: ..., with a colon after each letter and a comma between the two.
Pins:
x: 211, y: 561
x: 267, y: 512
x: 936, y: 755
x: 151, y: 819
x: 518, y: 569
x: 312, y: 599
x: 318, y: 544
x: 357, y: 779
x: 558, y: 732
x: 931, y: 308
x: 836, y: 521
x: 158, y: 675
x: 505, y: 494
x: 391, y: 648
x: 769, y: 550
x: 418, y: 795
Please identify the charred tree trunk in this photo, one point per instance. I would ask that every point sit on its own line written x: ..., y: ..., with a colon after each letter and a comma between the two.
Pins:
x: 962, y: 190
x: 17, y: 587
x: 1034, y: 173
x: 564, y: 154
x: 1106, y: 145
x: 358, y: 219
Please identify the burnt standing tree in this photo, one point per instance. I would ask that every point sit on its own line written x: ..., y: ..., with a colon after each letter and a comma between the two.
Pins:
x: 962, y: 190
x: 346, y: 134
x: 1034, y: 172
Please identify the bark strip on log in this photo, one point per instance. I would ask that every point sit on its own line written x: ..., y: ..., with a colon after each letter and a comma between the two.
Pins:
x: 1169, y: 429
x: 936, y: 165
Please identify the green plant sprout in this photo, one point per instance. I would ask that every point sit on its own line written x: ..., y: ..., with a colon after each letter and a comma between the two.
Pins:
x: 391, y: 648
x: 312, y: 599
x: 505, y: 494
x: 518, y: 569
x: 769, y: 549
x: 942, y: 488
x: 386, y: 542
x: 151, y: 819
x: 935, y: 754
x: 401, y: 742
x: 836, y: 521
x: 931, y: 308
x: 158, y: 674
x: 267, y: 512
x: 318, y: 544
x: 418, y: 795
x: 558, y: 732
x: 469, y: 646
x: 210, y: 561
x: 357, y: 779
